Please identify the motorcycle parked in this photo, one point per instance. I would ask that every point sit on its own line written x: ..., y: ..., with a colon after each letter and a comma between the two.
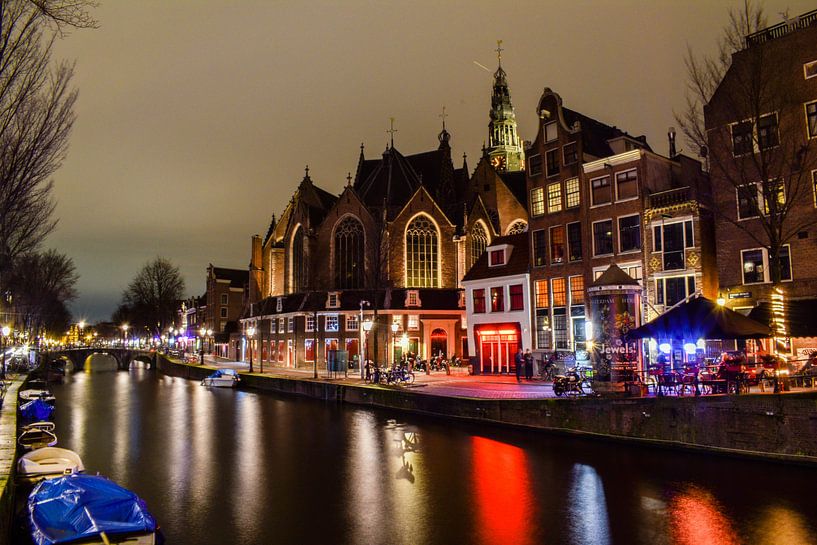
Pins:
x: 568, y: 384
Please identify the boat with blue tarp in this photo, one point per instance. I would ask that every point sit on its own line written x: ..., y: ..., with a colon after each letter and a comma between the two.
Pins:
x: 85, y: 509
x: 36, y: 409
x: 224, y: 378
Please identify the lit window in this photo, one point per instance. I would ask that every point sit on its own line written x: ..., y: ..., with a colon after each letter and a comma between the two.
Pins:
x: 535, y: 165
x: 810, y: 69
x: 421, y: 253
x: 574, y: 241
x: 352, y: 323
x: 309, y: 350
x: 569, y: 153
x: 517, y: 227
x: 478, y: 297
x: 330, y: 323
x: 756, y: 267
x: 550, y: 132
x: 497, y: 300
x: 603, y: 237
x: 281, y: 327
x: 332, y: 300
x: 348, y: 254
x: 557, y: 244
x: 542, y: 294
x: 310, y: 324
x: 629, y: 233
x: 537, y: 201
x: 554, y: 197
x: 290, y: 325
x: 414, y: 320
x: 559, y: 291
x: 600, y: 191
x: 479, y: 240
x: 626, y: 185
x: 517, y: 299
x: 576, y: 290
x: 572, y: 193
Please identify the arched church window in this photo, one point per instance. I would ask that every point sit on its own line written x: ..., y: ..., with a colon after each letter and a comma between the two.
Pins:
x: 298, y: 261
x: 349, y: 256
x: 479, y: 241
x: 519, y: 226
x: 422, y: 261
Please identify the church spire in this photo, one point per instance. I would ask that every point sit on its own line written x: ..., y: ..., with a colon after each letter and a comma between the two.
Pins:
x: 504, y: 145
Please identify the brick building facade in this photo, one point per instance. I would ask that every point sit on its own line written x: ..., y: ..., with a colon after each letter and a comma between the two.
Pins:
x: 761, y: 125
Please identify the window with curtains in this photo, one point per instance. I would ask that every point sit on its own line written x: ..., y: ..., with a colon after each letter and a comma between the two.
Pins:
x: 422, y: 257
x: 349, y: 255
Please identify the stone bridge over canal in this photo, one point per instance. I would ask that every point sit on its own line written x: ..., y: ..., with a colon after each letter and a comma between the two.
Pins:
x: 124, y: 356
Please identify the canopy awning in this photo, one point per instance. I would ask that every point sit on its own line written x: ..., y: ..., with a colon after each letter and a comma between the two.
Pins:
x: 800, y: 316
x: 701, y: 318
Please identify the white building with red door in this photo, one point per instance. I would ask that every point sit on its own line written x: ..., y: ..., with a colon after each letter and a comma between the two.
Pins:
x: 498, y: 305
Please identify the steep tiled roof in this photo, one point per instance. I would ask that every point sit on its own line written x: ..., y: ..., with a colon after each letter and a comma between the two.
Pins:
x: 517, y: 183
x: 518, y: 262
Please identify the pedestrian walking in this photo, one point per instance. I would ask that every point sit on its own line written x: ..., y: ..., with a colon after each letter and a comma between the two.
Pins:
x: 519, y: 360
x: 528, y: 357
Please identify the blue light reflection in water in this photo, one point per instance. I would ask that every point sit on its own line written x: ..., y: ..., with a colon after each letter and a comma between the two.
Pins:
x: 588, y: 507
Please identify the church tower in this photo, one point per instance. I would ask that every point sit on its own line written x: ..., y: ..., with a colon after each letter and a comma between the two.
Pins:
x: 504, y: 145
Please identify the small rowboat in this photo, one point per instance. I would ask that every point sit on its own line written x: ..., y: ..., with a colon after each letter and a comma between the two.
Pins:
x: 223, y: 378
x: 46, y: 463
x: 37, y: 435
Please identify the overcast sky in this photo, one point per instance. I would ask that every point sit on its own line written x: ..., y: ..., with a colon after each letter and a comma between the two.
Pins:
x: 196, y: 118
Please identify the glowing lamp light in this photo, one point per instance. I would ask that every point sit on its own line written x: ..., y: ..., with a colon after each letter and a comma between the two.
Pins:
x: 394, y: 327
x: 690, y: 348
x: 6, y: 331
x: 653, y: 344
x: 701, y: 344
x: 367, y: 325
x: 666, y: 348
x: 721, y: 301
x: 588, y: 330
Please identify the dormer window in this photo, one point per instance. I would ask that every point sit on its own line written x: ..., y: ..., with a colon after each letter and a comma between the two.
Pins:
x: 279, y: 304
x: 412, y: 298
x: 333, y: 299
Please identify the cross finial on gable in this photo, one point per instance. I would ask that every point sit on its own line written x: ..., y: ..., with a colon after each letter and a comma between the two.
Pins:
x: 443, y: 116
x: 499, y: 51
x: 391, y: 130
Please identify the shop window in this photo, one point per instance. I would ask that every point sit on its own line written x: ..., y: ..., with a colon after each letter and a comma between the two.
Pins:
x: 309, y: 350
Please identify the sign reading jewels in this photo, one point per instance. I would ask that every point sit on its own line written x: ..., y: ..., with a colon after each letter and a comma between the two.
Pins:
x: 614, y: 315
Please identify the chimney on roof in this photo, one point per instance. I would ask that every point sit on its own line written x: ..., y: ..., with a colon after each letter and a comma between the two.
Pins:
x: 671, y: 136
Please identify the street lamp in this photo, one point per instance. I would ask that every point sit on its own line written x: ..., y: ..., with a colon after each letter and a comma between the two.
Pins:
x: 6, y: 331
x: 394, y: 327
x: 81, y: 326
x: 202, y: 333
x: 124, y: 334
x: 367, y: 326
x: 360, y: 325
x: 250, y: 334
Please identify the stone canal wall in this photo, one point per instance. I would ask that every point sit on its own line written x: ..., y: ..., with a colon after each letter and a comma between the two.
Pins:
x: 781, y: 427
x: 8, y: 457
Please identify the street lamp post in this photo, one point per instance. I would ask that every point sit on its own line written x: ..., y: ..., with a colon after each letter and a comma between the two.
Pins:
x: 394, y: 328
x: 250, y: 334
x: 6, y: 331
x: 81, y: 326
x: 124, y: 334
x: 202, y: 333
x: 360, y: 326
x: 367, y: 326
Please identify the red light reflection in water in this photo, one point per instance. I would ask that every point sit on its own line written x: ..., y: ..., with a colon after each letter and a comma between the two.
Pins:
x: 503, y: 498
x: 696, y: 517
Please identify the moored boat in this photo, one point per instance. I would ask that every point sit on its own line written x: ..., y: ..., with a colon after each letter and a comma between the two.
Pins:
x: 37, y: 435
x: 89, y: 509
x: 36, y: 410
x: 32, y: 394
x: 223, y: 378
x: 48, y: 462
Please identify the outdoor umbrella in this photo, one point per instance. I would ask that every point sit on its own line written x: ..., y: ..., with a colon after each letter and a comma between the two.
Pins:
x: 701, y: 318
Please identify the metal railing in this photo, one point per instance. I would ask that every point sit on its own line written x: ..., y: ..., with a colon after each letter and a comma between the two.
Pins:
x: 782, y: 29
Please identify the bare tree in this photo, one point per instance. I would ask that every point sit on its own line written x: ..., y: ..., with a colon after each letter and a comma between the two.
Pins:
x: 735, y: 110
x: 43, y: 284
x: 36, y: 117
x: 153, y: 295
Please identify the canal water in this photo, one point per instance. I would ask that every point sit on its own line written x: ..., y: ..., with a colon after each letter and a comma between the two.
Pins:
x: 220, y: 466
